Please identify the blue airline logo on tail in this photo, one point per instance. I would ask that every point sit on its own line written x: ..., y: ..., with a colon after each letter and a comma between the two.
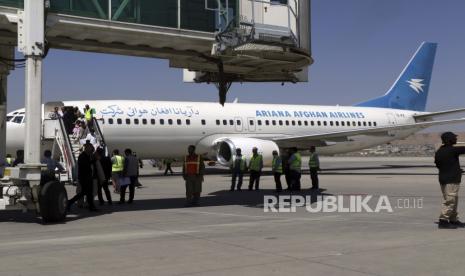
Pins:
x: 416, y: 84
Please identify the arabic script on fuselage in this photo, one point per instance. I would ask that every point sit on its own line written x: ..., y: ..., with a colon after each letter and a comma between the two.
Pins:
x: 116, y: 111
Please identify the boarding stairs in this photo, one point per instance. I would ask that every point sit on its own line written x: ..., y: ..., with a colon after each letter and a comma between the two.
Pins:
x: 67, y: 148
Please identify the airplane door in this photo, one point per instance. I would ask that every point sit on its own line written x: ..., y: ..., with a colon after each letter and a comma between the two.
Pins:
x: 251, y: 124
x: 391, y: 122
x: 391, y: 119
x: 239, y: 124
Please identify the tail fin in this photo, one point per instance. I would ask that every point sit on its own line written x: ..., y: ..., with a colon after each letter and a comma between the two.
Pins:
x: 410, y: 91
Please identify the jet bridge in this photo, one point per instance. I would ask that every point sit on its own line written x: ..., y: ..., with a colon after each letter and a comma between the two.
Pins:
x: 216, y: 41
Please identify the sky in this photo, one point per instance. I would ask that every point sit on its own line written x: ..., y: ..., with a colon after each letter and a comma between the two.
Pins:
x: 359, y: 48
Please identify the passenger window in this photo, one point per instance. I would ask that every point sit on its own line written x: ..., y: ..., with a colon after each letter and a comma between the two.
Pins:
x: 136, y: 121
x: 188, y: 122
x: 119, y: 121
x: 267, y: 122
x: 162, y: 121
x: 273, y: 122
x: 337, y: 123
x: 364, y: 123
x: 170, y: 121
x: 128, y: 121
x: 218, y: 122
x: 204, y: 122
x: 259, y: 122
x: 110, y: 121
x: 299, y: 123
x: 331, y: 123
x: 238, y: 122
x: 369, y: 123
x: 359, y: 123
x: 152, y: 121
x: 293, y: 123
x: 251, y: 122
x: 287, y: 123
x: 144, y: 121
x: 375, y: 124
x: 231, y: 122
x: 280, y: 122
x: 325, y: 123
x: 319, y: 123
x: 225, y: 122
x: 179, y: 121
x: 306, y: 123
x: 312, y: 123
x: 354, y: 124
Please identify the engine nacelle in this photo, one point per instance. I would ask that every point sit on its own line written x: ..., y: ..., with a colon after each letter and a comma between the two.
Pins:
x: 226, y: 149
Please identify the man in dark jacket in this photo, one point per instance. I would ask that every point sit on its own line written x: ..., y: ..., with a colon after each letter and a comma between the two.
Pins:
x: 105, y: 165
x: 85, y: 177
x: 450, y: 176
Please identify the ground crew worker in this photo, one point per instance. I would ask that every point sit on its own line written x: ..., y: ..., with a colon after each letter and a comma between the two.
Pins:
x: 52, y: 165
x: 168, y: 162
x: 9, y: 160
x: 277, y: 168
x: 192, y: 172
x: 89, y: 115
x: 314, y: 165
x: 255, y: 167
x: 238, y: 168
x: 450, y: 176
x: 117, y: 167
x: 295, y: 169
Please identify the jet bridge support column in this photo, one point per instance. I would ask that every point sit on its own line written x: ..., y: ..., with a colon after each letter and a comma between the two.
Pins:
x: 6, y: 52
x: 24, y: 187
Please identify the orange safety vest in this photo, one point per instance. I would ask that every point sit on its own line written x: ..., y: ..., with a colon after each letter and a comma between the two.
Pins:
x: 192, y: 164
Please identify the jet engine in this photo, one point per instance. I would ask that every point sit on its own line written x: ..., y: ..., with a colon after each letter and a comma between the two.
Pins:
x: 226, y: 149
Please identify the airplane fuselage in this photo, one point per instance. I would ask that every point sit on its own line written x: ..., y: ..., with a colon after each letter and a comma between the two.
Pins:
x: 157, y: 129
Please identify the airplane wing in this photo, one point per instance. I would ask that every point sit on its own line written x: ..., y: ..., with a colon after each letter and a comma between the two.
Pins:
x: 322, y: 139
x: 439, y: 113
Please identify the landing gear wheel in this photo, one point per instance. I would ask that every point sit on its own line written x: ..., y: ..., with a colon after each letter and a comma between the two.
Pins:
x: 53, y: 201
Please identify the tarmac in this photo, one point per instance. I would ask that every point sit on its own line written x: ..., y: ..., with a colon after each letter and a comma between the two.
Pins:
x: 230, y: 234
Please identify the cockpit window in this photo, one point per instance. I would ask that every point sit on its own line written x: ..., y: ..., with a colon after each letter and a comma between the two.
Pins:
x: 8, y: 118
x: 17, y: 119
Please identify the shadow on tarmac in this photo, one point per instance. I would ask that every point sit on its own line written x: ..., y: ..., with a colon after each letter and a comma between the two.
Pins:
x: 252, y: 199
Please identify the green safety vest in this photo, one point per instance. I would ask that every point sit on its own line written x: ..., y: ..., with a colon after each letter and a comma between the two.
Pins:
x: 255, y: 162
x: 313, y: 162
x: 296, y: 164
x: 118, y: 166
x: 9, y: 161
x: 274, y: 163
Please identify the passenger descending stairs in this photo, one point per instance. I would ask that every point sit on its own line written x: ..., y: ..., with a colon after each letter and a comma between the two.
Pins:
x: 65, y: 148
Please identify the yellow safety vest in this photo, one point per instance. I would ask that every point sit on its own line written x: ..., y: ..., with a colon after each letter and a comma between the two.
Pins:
x: 312, y: 162
x: 255, y: 162
x: 296, y: 164
x: 118, y: 166
x: 88, y: 114
x: 278, y: 169
x: 9, y: 161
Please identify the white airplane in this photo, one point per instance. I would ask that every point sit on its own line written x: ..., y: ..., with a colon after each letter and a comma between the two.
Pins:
x: 157, y: 129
